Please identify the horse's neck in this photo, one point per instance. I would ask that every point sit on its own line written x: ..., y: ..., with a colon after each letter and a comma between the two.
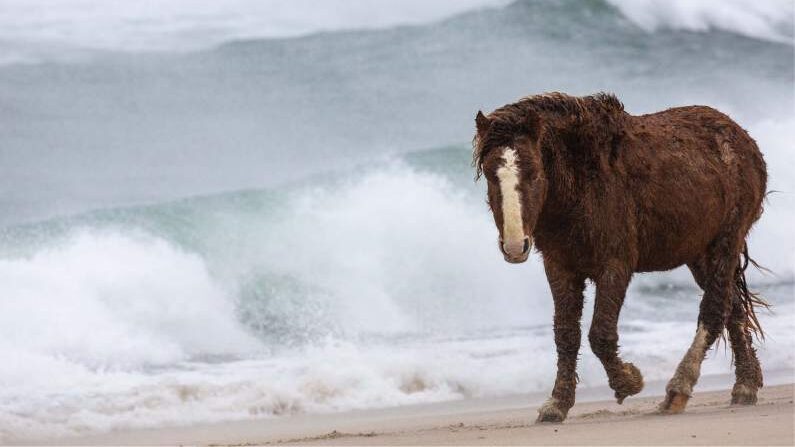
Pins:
x: 566, y: 166
x: 577, y: 155
x: 571, y: 172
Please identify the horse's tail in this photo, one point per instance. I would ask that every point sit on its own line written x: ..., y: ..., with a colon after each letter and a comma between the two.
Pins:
x: 748, y: 299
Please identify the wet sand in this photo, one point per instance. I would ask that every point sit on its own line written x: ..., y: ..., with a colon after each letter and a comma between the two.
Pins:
x: 709, y: 419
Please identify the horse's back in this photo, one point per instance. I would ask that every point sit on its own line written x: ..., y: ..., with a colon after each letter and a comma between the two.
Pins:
x: 709, y: 144
x: 695, y: 176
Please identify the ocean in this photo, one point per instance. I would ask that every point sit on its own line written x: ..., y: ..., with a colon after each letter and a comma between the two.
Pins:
x: 261, y: 209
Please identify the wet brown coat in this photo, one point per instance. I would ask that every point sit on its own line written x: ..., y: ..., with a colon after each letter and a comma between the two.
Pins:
x: 606, y: 194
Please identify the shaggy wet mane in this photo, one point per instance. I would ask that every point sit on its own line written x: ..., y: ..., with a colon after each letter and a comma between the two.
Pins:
x: 529, y: 115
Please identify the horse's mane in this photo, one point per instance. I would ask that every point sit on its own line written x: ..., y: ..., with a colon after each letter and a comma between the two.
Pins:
x: 597, y: 115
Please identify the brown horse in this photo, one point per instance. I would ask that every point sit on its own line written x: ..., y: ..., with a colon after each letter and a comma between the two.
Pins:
x: 603, y: 194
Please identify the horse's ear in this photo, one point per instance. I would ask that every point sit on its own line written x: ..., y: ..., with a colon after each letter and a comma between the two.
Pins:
x: 482, y: 123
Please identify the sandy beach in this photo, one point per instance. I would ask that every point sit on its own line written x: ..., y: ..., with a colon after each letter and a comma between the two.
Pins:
x: 709, y: 420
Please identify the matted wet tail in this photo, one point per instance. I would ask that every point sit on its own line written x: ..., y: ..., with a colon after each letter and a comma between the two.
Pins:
x: 750, y: 300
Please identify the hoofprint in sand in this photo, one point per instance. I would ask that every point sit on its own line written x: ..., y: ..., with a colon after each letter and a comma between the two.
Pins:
x: 709, y: 419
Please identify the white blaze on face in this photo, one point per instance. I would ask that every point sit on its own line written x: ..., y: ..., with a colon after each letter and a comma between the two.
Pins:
x: 508, y: 174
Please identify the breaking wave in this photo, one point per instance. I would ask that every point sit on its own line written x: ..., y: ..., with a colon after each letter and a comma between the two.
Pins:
x: 242, y: 305
x: 768, y: 20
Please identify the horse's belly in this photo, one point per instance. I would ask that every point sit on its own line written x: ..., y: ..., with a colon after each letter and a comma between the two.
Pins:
x: 678, y: 238
x: 661, y: 264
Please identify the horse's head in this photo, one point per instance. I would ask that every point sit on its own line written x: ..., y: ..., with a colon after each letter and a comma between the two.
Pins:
x: 507, y: 152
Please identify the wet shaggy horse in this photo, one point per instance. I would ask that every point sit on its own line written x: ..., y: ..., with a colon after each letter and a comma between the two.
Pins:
x: 603, y: 194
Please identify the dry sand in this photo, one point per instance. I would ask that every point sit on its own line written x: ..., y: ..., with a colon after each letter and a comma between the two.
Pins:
x: 709, y: 420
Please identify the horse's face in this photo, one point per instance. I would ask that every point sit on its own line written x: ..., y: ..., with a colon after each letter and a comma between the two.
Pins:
x: 516, y: 190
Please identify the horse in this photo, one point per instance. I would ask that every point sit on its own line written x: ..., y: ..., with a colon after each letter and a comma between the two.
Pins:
x: 602, y: 194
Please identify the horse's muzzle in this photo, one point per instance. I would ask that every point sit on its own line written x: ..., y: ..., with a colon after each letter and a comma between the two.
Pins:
x: 515, y: 252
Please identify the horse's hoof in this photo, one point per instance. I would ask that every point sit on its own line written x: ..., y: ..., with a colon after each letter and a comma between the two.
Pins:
x: 674, y: 403
x: 743, y: 395
x: 631, y: 383
x: 550, y: 412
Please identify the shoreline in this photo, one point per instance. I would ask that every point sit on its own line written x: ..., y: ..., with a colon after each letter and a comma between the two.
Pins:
x: 595, y: 419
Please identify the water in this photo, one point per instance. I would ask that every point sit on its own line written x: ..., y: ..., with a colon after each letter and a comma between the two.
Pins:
x: 207, y: 216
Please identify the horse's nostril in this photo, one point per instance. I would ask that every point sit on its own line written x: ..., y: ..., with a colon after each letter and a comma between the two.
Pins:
x: 515, y: 249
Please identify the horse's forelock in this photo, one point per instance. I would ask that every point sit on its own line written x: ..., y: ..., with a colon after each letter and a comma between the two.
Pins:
x: 501, y: 133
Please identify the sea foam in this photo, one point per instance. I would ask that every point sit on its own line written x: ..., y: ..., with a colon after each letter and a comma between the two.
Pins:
x: 394, y: 274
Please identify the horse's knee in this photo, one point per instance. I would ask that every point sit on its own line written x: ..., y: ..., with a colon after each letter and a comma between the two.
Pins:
x: 567, y: 340
x: 602, y: 343
x: 713, y: 328
x: 714, y: 311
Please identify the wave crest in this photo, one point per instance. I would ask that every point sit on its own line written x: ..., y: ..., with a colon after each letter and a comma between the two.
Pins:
x: 116, y: 301
x: 767, y: 20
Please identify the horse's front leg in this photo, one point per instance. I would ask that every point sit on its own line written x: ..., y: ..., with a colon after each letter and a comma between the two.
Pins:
x: 611, y: 286
x: 567, y: 289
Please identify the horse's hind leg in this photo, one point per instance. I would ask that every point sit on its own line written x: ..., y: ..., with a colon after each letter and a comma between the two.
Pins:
x: 748, y: 372
x: 716, y: 274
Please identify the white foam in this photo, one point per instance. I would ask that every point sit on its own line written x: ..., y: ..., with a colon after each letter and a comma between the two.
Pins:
x: 107, y: 329
x: 112, y: 301
x: 396, y: 251
x: 312, y: 380
x: 762, y: 19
